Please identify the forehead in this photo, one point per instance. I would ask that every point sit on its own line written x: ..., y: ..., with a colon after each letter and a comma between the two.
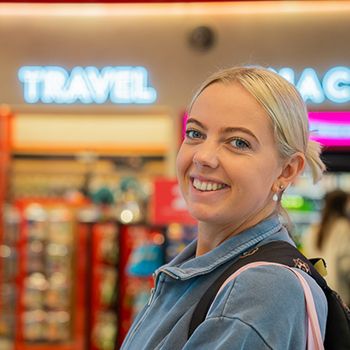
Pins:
x: 229, y: 105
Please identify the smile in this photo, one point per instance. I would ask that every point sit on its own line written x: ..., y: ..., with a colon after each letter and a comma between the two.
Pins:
x: 207, y: 185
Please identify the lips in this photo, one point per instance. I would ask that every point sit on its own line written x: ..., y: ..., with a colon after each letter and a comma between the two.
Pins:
x: 207, y: 185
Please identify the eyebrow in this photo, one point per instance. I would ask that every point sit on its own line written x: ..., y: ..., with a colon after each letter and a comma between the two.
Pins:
x: 195, y: 121
x: 224, y: 130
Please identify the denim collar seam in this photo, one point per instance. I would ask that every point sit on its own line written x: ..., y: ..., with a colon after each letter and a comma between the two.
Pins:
x: 231, y: 255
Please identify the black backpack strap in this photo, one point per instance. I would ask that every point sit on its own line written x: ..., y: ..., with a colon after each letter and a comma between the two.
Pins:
x: 276, y: 251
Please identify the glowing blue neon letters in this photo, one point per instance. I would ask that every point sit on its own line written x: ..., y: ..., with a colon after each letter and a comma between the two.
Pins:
x: 335, y: 85
x: 52, y: 84
x: 128, y: 85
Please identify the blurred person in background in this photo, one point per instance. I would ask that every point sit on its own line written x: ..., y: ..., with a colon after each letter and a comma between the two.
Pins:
x: 330, y: 239
x: 247, y: 140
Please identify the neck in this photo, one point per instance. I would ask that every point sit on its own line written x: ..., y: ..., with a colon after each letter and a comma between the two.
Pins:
x: 211, y: 235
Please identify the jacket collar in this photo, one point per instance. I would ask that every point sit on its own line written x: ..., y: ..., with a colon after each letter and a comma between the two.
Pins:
x: 186, y: 265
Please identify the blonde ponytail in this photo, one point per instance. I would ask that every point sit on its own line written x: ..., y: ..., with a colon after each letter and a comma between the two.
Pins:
x: 315, y: 163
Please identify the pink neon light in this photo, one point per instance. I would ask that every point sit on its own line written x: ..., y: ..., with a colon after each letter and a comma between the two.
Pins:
x: 328, y: 119
x: 332, y: 142
x: 184, y: 121
x: 332, y: 117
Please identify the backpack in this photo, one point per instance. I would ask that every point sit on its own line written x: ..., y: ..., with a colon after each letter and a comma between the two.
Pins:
x: 337, y: 335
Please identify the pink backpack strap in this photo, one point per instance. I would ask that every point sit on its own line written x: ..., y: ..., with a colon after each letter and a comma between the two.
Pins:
x: 314, y: 339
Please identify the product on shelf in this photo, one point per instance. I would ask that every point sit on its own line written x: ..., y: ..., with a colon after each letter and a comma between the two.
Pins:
x: 34, y: 325
x: 142, y: 252
x: 34, y: 292
x: 130, y: 201
x: 145, y: 259
x: 104, y: 285
x: 8, y: 300
x: 9, y: 265
x: 58, y: 326
x: 57, y: 293
x: 105, y: 331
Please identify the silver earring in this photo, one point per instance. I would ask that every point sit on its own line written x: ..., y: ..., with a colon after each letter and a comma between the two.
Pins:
x: 275, y: 197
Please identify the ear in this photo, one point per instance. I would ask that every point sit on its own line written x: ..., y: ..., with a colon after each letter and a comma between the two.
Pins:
x: 291, y: 168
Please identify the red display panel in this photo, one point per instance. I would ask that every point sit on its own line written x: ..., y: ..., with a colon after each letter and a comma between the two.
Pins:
x: 168, y: 205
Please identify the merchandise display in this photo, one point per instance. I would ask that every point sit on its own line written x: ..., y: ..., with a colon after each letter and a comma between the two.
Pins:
x: 104, y: 263
x: 9, y: 263
x: 39, y: 303
x: 142, y: 252
x: 71, y: 289
x: 46, y: 274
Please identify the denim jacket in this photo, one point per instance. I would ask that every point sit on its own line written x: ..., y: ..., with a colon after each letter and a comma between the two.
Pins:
x: 263, y: 308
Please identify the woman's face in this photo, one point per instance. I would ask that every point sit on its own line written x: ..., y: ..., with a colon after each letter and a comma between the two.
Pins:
x: 228, y: 162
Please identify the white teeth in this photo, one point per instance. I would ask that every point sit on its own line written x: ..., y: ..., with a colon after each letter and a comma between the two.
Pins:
x: 207, y: 186
x: 196, y: 183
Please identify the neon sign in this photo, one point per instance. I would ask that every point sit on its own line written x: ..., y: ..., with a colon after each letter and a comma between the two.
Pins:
x: 334, y: 86
x: 331, y: 128
x: 53, y: 84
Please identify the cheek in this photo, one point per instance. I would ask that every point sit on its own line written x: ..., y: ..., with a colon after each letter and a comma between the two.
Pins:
x: 259, y: 173
x: 182, y: 162
x: 268, y: 172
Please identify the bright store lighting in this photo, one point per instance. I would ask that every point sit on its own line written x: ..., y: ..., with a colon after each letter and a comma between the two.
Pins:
x: 172, y: 9
x: 126, y: 216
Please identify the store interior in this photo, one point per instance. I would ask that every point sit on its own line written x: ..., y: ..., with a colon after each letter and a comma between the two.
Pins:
x: 83, y: 233
x: 91, y: 208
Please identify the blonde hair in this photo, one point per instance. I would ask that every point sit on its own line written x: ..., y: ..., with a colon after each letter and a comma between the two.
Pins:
x: 284, y: 106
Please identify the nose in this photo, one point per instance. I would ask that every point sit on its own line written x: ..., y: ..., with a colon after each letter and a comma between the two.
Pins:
x: 206, y: 155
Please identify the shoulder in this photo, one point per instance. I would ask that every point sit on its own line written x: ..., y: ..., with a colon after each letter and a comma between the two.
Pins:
x: 269, y: 294
x: 264, y: 285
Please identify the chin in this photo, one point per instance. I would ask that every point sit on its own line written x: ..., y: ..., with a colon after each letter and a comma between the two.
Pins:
x: 203, y: 215
x: 199, y: 215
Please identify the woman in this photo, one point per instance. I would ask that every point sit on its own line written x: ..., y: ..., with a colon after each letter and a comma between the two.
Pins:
x: 246, y: 140
x: 331, y: 240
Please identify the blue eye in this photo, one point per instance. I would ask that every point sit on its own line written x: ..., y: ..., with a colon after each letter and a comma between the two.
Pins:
x: 193, y: 134
x: 240, y: 143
